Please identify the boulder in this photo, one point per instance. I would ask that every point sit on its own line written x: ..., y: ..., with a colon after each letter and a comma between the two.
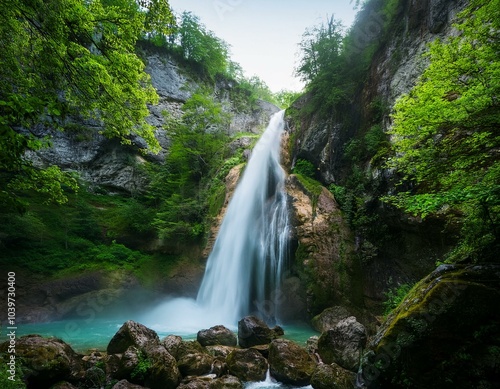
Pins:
x: 252, y: 331
x: 444, y: 334
x: 247, y: 365
x: 220, y: 351
x: 343, y: 344
x: 127, y: 363
x: 172, y: 344
x: 226, y: 382
x: 329, y: 318
x: 132, y: 334
x: 163, y: 372
x: 95, y: 377
x: 124, y: 384
x: 218, y: 335
x: 193, y: 359
x: 289, y: 363
x: 196, y: 383
x: 332, y: 377
x: 46, y: 361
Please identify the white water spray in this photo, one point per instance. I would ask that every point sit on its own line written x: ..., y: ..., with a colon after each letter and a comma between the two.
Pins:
x: 244, y: 270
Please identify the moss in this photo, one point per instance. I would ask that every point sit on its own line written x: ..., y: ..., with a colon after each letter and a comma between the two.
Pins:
x: 442, y: 333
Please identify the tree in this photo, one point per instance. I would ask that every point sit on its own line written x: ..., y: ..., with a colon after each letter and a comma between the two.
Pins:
x: 202, y: 47
x: 446, y: 132
x: 198, y: 147
x: 322, y: 65
x: 70, y: 58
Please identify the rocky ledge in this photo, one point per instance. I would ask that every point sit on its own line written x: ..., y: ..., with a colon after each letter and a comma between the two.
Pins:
x: 137, y: 358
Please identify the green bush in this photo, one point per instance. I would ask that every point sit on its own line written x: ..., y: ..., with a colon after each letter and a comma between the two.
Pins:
x: 304, y: 168
x: 395, y: 296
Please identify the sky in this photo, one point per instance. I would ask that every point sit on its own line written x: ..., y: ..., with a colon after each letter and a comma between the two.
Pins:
x: 263, y: 34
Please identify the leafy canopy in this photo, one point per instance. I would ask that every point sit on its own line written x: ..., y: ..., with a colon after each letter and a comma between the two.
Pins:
x: 65, y: 58
x: 446, y: 131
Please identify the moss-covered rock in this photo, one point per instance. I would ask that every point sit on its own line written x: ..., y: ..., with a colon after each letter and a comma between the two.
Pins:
x: 134, y: 334
x: 445, y: 334
x: 343, y: 344
x: 332, y: 377
x: 45, y: 362
x: 217, y: 335
x: 247, y: 365
x: 289, y: 363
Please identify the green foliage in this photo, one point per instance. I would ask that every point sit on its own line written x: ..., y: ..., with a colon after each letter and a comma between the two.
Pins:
x: 67, y: 57
x: 304, y: 168
x: 321, y: 65
x: 285, y: 98
x: 198, y: 149
x: 395, y: 296
x: 5, y: 377
x: 446, y: 132
x: 141, y: 370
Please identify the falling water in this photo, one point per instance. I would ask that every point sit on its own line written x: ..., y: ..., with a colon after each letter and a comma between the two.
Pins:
x: 245, y: 267
x: 244, y: 270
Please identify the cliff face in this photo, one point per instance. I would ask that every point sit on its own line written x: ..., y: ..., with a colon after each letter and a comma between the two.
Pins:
x: 108, y: 164
x: 409, y: 248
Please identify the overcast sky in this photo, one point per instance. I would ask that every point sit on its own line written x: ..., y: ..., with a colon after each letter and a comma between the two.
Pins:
x: 264, y: 34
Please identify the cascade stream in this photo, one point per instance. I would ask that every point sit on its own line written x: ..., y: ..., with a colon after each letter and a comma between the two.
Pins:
x: 245, y: 268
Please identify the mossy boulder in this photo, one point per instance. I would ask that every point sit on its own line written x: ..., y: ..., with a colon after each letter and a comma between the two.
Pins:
x: 247, y: 365
x: 332, y: 377
x: 253, y: 331
x: 134, y: 334
x: 217, y: 335
x: 45, y: 362
x: 193, y: 358
x: 343, y: 344
x: 445, y: 334
x: 289, y: 363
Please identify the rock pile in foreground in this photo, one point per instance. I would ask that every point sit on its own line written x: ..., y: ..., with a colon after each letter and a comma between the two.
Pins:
x: 136, y: 358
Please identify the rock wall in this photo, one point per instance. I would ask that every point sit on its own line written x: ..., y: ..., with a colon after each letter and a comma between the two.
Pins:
x: 411, y: 247
x: 108, y: 164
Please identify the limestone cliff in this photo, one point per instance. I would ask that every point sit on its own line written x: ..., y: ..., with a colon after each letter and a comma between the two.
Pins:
x: 391, y: 248
x: 115, y: 168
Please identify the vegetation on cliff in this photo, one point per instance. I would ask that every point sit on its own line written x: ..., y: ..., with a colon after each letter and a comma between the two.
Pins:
x: 445, y: 136
x: 442, y: 149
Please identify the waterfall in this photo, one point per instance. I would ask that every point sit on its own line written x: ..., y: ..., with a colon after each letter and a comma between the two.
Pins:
x: 245, y: 267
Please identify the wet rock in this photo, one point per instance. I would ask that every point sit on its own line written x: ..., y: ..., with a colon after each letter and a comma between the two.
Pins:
x: 247, y: 365
x: 124, y: 384
x: 332, y: 377
x: 289, y: 363
x: 227, y: 382
x: 445, y: 334
x: 132, y: 334
x: 196, y: 383
x: 172, y: 344
x: 95, y: 377
x: 218, y: 335
x: 220, y: 351
x: 193, y: 359
x: 312, y: 345
x: 163, y: 372
x: 343, y: 344
x: 46, y: 361
x: 219, y: 367
x: 329, y: 318
x: 127, y: 363
x: 252, y: 331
